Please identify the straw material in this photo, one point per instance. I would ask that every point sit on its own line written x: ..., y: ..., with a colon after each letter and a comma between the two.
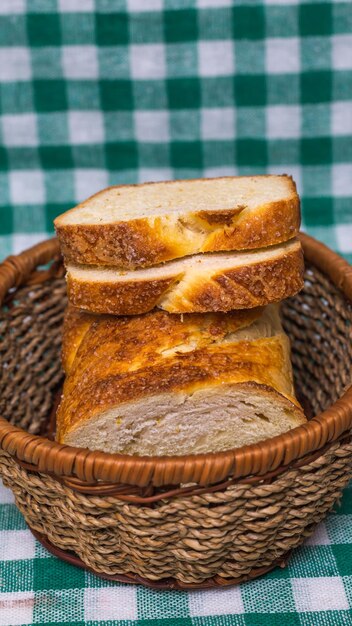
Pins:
x: 196, y: 521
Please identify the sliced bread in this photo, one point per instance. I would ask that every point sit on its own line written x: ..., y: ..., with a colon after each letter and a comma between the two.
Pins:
x: 162, y: 384
x: 135, y: 226
x: 200, y: 283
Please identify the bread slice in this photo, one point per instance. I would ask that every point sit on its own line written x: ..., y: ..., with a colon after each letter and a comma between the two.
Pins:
x: 200, y: 283
x: 161, y: 384
x: 135, y: 226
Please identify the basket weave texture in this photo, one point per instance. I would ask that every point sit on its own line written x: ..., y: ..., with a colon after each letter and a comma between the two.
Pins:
x: 198, y: 521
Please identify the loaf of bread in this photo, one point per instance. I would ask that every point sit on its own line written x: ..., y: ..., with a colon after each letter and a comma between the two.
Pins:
x: 164, y: 384
x: 135, y: 226
x: 196, y: 284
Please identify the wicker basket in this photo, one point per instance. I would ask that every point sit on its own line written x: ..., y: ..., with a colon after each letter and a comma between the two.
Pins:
x: 185, y: 522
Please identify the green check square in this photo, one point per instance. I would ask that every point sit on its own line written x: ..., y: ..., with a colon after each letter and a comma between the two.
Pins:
x: 149, y: 95
x: 4, y: 158
x: 248, y: 22
x: 46, y: 63
x: 184, y: 125
x: 343, y: 558
x: 279, y: 619
x: 250, y: 90
x: 318, y: 211
x: 281, y: 20
x: 52, y: 129
x: 54, y: 573
x: 12, y: 30
x: 217, y: 90
x: 215, y: 23
x: 176, y: 621
x: 56, y: 157
x: 18, y: 158
x: 182, y: 59
x: 251, y: 152
x: 116, y: 95
x: 121, y: 155
x: 183, y: 93
x: 315, y: 19
x: 91, y: 155
x: 341, y: 18
x: 342, y: 149
x: 146, y: 27
x: 250, y: 57
x: 11, y: 518
x: 283, y: 89
x: 316, y: 150
x: 43, y: 29
x: 185, y: 154
x: 82, y: 94
x: 218, y: 153
x: 77, y: 33
x: 316, y: 181
x: 316, y: 86
x: 53, y: 209
x: 49, y: 95
x: 111, y: 29
x: 341, y: 85
x: 6, y: 220
x: 16, y: 575
x: 180, y: 25
x: 156, y: 153
x: 16, y: 97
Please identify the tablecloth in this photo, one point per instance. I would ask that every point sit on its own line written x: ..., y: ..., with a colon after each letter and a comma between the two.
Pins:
x: 105, y: 92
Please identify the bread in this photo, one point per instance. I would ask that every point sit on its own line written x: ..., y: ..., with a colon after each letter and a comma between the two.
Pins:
x: 161, y: 384
x: 133, y: 226
x: 201, y: 283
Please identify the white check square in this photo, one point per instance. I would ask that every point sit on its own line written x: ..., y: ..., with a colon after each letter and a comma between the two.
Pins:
x: 27, y: 187
x: 218, y: 123
x: 152, y: 126
x: 80, y: 62
x: 20, y: 130
x: 344, y: 239
x: 283, y: 122
x: 16, y: 608
x: 14, y: 64
x: 282, y: 55
x: 342, y: 179
x: 110, y: 603
x: 341, y: 118
x: 86, y: 127
x: 216, y: 58
x: 325, y: 593
x: 146, y: 174
x: 342, y: 52
x: 11, y: 7
x: 216, y: 602
x: 76, y: 6
x: 89, y: 181
x: 147, y: 61
x: 144, y: 5
x: 16, y: 545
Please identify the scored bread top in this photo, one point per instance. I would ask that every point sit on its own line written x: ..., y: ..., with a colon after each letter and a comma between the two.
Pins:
x: 134, y: 226
x: 123, y: 359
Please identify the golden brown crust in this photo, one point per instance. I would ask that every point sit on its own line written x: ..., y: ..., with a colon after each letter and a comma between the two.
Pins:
x: 253, y: 285
x: 128, y: 298
x: 123, y: 359
x: 76, y: 323
x: 242, y: 287
x: 147, y: 241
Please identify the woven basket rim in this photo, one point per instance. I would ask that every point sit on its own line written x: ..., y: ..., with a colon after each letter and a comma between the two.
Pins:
x: 257, y: 459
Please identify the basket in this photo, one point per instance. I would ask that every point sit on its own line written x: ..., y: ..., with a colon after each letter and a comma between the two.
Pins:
x: 195, y: 521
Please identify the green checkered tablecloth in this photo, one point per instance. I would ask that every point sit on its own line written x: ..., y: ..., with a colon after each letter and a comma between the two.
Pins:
x: 96, y: 93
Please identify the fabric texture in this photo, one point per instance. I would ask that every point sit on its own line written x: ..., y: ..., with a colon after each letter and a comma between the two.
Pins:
x: 104, y: 92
